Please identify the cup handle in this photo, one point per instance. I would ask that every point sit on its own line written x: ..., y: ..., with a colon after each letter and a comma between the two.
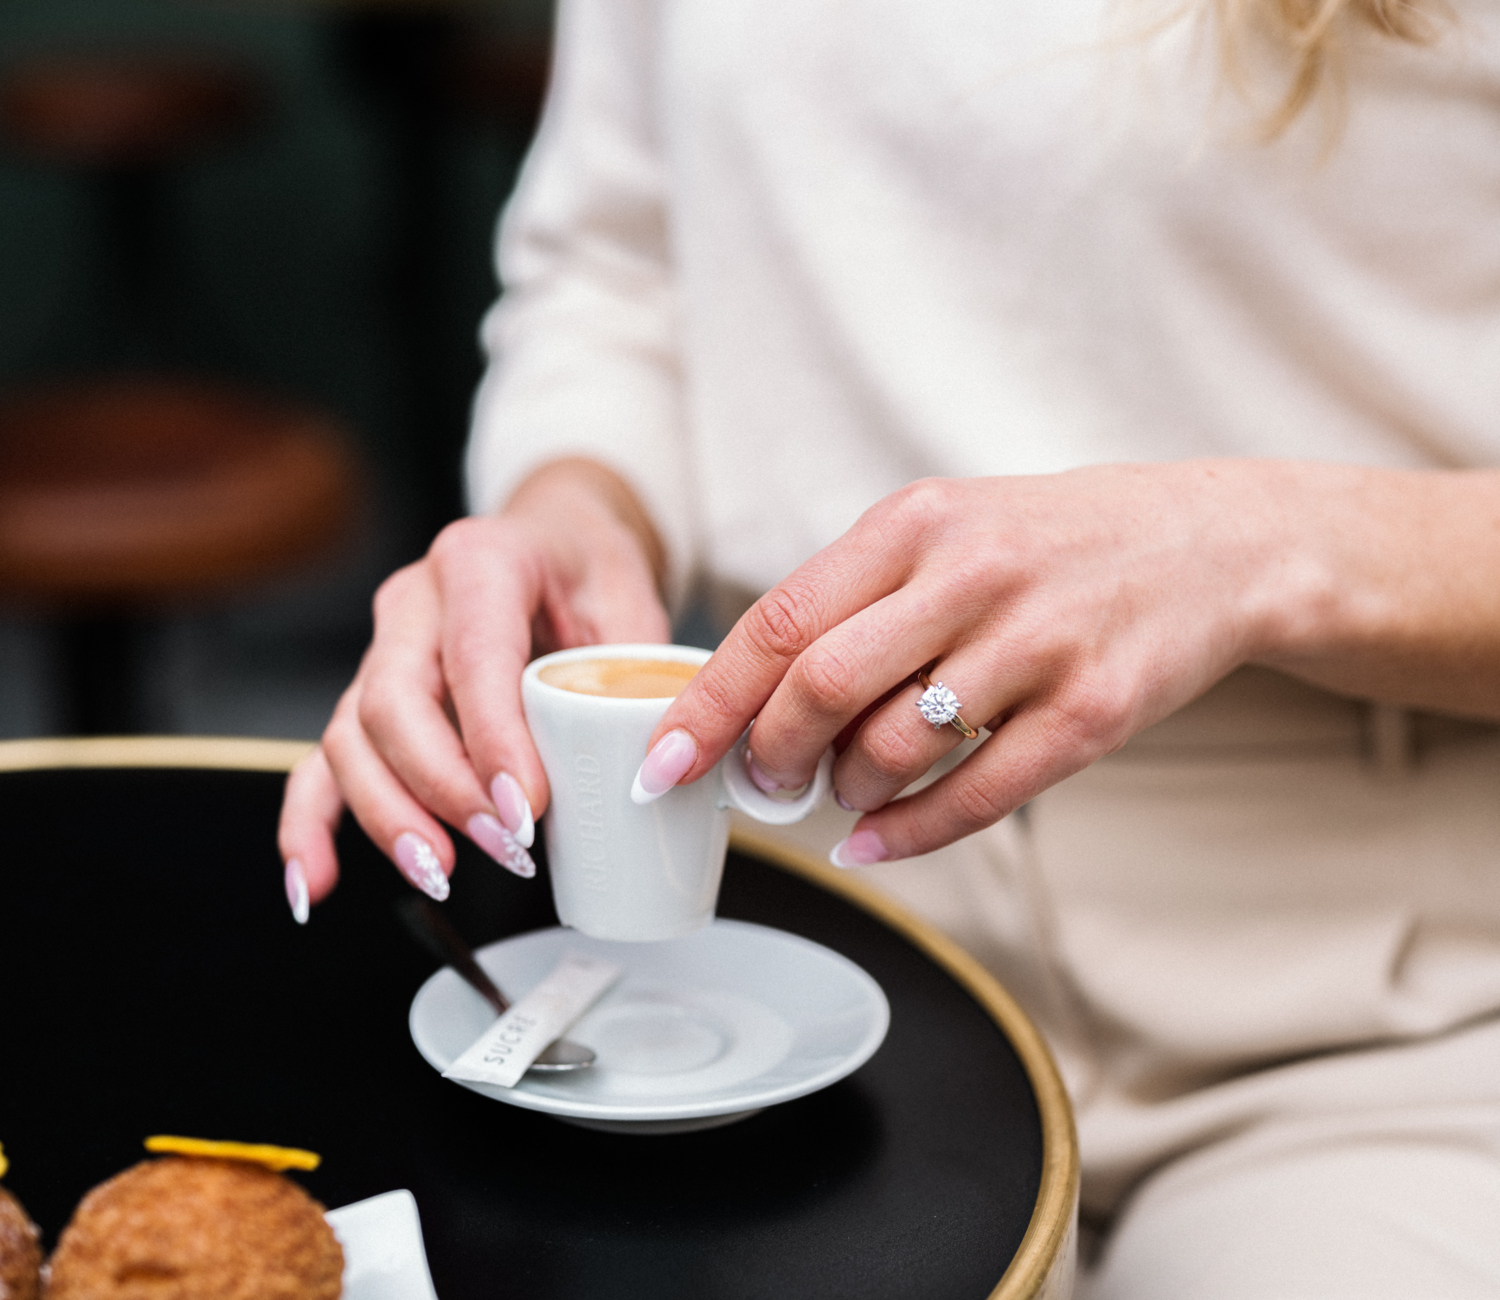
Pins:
x: 742, y: 793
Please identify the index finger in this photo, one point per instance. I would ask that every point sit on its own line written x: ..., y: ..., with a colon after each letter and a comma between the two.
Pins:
x: 862, y: 567
x: 490, y: 594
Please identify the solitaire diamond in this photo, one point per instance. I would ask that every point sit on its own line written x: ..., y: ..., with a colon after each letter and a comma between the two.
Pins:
x: 938, y: 705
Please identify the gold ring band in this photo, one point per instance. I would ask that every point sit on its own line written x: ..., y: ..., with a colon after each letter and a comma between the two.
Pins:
x: 939, y: 705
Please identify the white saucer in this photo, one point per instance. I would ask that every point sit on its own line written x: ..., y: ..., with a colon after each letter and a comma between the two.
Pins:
x: 700, y: 1031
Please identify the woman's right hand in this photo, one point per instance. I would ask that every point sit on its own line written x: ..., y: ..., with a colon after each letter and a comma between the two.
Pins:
x: 431, y: 729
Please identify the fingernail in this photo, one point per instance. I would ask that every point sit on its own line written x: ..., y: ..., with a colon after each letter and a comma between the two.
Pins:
x: 514, y: 809
x: 500, y: 844
x: 762, y: 781
x: 843, y: 803
x: 296, y: 891
x: 420, y: 865
x: 666, y: 764
x: 859, y: 850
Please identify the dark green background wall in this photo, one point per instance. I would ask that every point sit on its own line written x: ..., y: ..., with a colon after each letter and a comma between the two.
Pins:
x: 285, y: 252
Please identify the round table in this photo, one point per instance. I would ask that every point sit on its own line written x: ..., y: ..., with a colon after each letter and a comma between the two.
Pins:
x: 156, y: 984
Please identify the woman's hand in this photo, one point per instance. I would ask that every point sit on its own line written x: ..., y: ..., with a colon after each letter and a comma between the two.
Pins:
x: 1069, y: 611
x: 431, y: 729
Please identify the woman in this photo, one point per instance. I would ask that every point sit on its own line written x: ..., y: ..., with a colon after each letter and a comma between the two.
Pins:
x: 1139, y: 408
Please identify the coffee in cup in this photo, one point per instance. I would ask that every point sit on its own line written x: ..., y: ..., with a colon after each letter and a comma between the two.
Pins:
x: 621, y: 870
x: 621, y: 679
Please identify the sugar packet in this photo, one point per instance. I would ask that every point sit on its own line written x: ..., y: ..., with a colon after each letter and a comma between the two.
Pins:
x: 504, y: 1052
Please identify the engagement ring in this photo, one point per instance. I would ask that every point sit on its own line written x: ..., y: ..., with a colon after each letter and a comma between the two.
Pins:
x: 939, y: 705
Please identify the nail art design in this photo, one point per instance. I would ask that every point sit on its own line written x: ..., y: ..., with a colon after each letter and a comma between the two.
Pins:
x: 514, y: 809
x: 666, y: 764
x: 295, y: 879
x: 859, y: 850
x: 420, y: 865
x: 500, y: 844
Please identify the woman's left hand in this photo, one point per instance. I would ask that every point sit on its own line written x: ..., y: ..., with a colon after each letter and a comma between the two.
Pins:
x: 1065, y: 611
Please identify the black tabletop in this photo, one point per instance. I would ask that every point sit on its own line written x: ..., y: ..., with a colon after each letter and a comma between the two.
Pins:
x: 154, y: 982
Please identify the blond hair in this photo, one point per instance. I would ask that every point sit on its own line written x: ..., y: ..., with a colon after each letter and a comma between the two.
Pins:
x: 1312, y: 35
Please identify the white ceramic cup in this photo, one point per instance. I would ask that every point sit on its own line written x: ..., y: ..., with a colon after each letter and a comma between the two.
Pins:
x: 621, y: 870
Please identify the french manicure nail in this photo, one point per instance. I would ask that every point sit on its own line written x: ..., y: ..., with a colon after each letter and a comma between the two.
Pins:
x: 514, y: 808
x: 666, y: 764
x: 859, y: 850
x: 296, y: 890
x: 500, y: 844
x: 764, y: 783
x: 420, y: 865
x: 843, y: 803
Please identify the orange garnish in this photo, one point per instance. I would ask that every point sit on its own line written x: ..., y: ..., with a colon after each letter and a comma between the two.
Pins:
x: 277, y: 1158
x: 4, y: 1163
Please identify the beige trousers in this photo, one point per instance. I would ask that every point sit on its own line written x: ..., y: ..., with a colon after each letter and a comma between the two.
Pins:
x: 1264, y: 942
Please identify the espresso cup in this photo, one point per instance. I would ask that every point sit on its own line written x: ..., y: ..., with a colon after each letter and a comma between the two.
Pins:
x: 622, y: 870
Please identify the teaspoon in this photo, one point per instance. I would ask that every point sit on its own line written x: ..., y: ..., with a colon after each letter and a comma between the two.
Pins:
x: 436, y: 933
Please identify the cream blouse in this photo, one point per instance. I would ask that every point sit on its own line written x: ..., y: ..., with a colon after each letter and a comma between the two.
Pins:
x: 772, y: 259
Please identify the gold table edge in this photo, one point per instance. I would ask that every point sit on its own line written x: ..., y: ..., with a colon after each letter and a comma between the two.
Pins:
x: 238, y: 753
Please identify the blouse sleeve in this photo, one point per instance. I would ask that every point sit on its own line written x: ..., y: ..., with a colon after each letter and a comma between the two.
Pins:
x: 583, y: 343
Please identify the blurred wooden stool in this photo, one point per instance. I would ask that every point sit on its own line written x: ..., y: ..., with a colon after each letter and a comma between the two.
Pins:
x: 124, y: 110
x: 134, y: 489
x: 121, y: 497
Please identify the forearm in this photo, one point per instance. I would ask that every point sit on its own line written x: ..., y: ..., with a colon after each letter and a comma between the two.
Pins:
x: 1392, y: 583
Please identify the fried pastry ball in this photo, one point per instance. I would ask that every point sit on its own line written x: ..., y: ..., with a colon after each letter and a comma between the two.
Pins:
x: 185, y: 1228
x: 20, y: 1255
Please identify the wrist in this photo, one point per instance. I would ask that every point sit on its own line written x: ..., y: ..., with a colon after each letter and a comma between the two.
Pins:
x: 1371, y: 564
x: 589, y: 496
x: 1301, y: 593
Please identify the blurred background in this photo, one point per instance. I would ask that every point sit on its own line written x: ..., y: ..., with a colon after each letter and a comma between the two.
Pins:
x: 245, y: 246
